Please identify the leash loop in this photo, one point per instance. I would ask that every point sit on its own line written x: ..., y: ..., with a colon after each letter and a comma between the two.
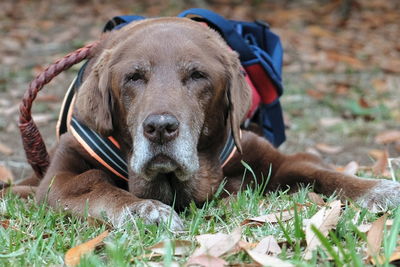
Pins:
x: 34, y: 146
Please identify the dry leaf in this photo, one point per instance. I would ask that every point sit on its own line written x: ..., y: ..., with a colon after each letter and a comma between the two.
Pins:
x: 161, y: 264
x: 351, y: 168
x: 267, y: 260
x: 6, y: 175
x: 283, y: 216
x: 73, y: 255
x: 318, y: 31
x: 5, y: 224
x: 315, y: 94
x: 268, y: 245
x: 181, y: 247
x: 391, y: 66
x: 376, y: 153
x: 328, y: 122
x: 363, y: 228
x: 47, y: 98
x: 375, y: 236
x: 324, y: 220
x: 380, y: 85
x: 357, y: 64
x: 43, y: 118
x: 5, y: 150
x: 388, y: 137
x: 317, y: 199
x: 381, y: 164
x: 328, y: 149
x: 245, y: 245
x: 217, y: 244
x: 395, y: 256
x: 206, y: 261
x: 381, y: 259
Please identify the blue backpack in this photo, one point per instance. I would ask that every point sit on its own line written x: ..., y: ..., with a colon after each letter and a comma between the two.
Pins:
x: 260, y: 52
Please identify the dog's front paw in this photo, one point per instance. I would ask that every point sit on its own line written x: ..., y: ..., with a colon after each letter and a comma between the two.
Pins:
x: 152, y: 212
x: 385, y: 194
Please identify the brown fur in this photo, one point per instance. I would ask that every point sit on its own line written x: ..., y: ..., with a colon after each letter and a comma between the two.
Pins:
x: 165, y: 52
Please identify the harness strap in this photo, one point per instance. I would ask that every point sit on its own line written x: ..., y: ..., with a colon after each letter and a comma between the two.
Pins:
x: 101, y: 149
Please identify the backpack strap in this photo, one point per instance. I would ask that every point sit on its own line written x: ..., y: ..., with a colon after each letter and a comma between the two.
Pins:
x: 120, y: 21
x: 226, y: 29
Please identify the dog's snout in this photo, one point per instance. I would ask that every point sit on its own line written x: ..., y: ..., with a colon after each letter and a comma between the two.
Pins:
x: 161, y: 128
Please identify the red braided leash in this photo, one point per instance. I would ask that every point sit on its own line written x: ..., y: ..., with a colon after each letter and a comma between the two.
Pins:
x: 33, y: 143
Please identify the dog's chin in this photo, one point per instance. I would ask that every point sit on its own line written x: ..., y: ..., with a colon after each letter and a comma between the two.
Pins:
x: 161, y: 166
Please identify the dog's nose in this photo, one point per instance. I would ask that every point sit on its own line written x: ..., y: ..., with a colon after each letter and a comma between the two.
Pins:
x: 161, y: 128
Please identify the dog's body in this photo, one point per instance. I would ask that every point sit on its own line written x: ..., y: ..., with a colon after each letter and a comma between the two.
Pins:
x: 171, y: 92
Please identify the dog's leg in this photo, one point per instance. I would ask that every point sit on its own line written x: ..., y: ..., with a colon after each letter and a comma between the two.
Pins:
x: 93, y: 193
x: 308, y: 169
x: 302, y: 168
x: 22, y: 191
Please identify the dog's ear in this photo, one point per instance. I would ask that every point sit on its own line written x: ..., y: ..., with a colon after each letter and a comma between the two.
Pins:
x: 95, y: 101
x: 239, y: 97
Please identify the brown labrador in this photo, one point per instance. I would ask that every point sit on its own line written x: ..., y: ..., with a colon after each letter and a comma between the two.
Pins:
x: 171, y: 91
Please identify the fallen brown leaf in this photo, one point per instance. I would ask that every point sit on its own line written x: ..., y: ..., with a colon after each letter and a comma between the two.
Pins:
x: 391, y: 66
x: 4, y: 149
x: 328, y: 149
x: 245, y: 245
x: 161, y: 264
x: 283, y: 215
x: 315, y: 198
x: 397, y: 146
x: 206, y: 261
x: 376, y: 153
x: 328, y: 122
x: 6, y: 175
x: 388, y: 137
x: 73, y: 255
x: 315, y: 94
x: 363, y: 228
x: 181, y: 247
x: 266, y: 260
x: 48, y: 98
x: 375, y: 236
x: 381, y: 164
x: 324, y: 220
x: 380, y: 85
x: 217, y: 244
x: 354, y: 62
x: 5, y: 223
x: 318, y: 31
x: 268, y: 245
x: 351, y: 168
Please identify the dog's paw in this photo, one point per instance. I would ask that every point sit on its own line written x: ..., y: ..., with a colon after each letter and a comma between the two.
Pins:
x: 384, y: 195
x: 152, y: 212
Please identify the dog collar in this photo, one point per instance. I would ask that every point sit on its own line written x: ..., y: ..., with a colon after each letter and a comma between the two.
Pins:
x: 106, y: 150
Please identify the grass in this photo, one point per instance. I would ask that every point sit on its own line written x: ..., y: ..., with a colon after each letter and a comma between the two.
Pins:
x: 38, y: 235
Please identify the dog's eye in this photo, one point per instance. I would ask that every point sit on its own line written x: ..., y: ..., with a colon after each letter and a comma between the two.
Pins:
x: 197, y: 75
x: 137, y: 76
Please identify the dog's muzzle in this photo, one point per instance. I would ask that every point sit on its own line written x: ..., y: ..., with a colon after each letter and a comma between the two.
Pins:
x: 163, y: 145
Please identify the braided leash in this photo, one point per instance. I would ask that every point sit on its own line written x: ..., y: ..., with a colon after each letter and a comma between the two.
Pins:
x: 33, y: 143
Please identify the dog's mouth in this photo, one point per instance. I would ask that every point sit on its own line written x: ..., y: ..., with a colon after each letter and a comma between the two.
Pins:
x: 161, y: 164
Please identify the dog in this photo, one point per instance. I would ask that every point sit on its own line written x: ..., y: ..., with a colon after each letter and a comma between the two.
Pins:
x: 171, y: 93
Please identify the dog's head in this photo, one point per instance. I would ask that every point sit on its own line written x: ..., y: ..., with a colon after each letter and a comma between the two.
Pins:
x: 171, y: 89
